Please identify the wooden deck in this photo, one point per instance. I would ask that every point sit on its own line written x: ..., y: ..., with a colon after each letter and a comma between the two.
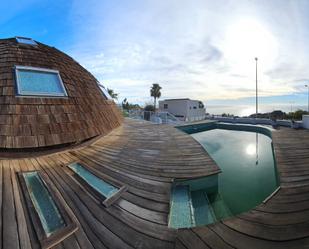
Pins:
x: 146, y: 158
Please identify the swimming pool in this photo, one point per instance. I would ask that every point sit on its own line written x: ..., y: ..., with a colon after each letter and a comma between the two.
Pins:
x: 248, y: 175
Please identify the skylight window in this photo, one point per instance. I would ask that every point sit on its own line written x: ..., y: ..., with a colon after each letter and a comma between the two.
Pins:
x: 52, y: 221
x: 109, y: 192
x: 31, y: 81
x: 105, y: 92
x: 45, y: 207
x: 27, y: 41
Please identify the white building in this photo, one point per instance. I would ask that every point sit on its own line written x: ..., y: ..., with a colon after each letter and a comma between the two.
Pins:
x: 184, y: 109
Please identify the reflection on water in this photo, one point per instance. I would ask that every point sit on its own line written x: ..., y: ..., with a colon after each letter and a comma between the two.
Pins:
x: 248, y: 169
x: 214, y: 145
x: 256, y: 149
x: 251, y: 149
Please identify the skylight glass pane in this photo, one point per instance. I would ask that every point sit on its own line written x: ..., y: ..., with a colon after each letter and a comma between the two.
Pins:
x: 44, y: 205
x: 32, y: 82
x: 104, y: 188
x: 105, y: 92
x: 26, y: 41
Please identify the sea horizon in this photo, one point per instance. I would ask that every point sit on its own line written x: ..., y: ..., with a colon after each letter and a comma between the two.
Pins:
x: 246, y: 110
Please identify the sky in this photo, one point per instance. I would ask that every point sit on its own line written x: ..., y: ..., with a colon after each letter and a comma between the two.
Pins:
x: 200, y: 49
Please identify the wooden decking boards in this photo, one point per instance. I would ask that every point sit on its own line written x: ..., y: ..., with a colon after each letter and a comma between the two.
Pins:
x: 146, y: 158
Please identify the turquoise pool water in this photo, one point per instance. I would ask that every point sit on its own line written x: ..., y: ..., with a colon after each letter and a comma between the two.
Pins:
x: 247, y: 163
x: 180, y: 215
x: 44, y: 205
x: 248, y: 175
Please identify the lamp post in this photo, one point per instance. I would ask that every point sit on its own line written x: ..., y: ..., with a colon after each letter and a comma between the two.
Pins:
x: 308, y: 98
x: 256, y: 113
x: 291, y: 103
x: 256, y: 88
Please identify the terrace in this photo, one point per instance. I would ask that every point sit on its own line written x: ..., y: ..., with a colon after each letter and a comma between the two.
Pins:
x: 146, y: 159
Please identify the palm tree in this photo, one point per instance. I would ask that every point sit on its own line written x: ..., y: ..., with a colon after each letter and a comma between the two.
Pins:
x: 155, y: 93
x: 112, y: 93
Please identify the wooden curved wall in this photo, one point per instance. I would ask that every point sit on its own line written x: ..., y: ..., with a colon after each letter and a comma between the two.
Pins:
x: 38, y: 122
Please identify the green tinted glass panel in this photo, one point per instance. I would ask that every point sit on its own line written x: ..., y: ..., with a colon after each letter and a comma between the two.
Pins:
x: 104, y: 188
x: 43, y: 203
x: 26, y: 41
x: 32, y: 82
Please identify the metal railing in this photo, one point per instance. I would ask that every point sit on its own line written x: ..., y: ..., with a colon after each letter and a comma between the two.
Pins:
x: 256, y: 121
x: 155, y: 117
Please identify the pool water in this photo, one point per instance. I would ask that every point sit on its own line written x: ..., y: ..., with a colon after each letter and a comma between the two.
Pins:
x: 248, y: 176
x: 247, y: 163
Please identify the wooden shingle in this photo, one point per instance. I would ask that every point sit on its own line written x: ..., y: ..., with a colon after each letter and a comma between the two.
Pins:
x: 48, y: 121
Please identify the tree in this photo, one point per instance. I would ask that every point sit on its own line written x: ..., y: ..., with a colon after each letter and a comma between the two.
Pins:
x: 125, y: 104
x: 149, y: 108
x: 128, y: 106
x: 112, y: 93
x: 155, y: 93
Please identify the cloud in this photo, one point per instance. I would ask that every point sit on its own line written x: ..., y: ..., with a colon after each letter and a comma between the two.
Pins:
x: 186, y: 47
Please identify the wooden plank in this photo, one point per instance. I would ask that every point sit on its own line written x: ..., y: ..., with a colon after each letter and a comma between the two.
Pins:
x: 82, y: 235
x: 31, y: 231
x: 24, y: 239
x: 242, y: 241
x: 211, y: 238
x: 191, y: 240
x: 1, y: 201
x: 153, y: 216
x: 66, y: 214
x: 114, y: 223
x: 71, y: 243
x: 102, y: 233
x: 269, y: 232
x: 179, y: 245
x: 10, y: 227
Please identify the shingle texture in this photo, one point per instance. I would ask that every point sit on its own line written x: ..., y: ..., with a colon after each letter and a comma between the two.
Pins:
x: 27, y: 122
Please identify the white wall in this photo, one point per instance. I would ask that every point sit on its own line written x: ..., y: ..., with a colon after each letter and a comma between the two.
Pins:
x: 195, y: 114
x: 176, y: 107
x: 306, y: 121
x: 181, y: 107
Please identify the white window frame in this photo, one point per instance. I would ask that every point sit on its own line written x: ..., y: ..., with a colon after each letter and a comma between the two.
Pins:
x: 105, y: 92
x: 18, y: 39
x: 35, y: 94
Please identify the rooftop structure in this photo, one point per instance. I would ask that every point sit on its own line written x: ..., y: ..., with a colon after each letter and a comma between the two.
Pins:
x: 48, y: 99
x: 184, y: 109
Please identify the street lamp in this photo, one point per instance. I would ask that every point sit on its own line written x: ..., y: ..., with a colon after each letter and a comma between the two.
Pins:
x: 256, y: 88
x: 291, y: 103
x: 308, y: 98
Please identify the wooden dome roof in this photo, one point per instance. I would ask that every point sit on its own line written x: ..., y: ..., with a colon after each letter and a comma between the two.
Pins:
x: 41, y: 121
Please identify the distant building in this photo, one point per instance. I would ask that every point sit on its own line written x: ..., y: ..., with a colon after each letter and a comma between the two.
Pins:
x: 184, y: 109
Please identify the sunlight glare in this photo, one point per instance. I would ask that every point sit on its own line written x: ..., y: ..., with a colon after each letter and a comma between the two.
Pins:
x: 251, y: 149
x: 247, y: 111
x: 247, y: 39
